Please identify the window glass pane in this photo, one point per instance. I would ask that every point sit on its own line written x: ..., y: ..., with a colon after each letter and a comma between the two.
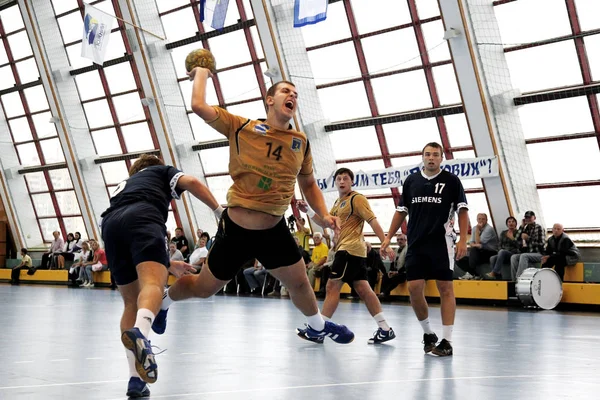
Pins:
x: 48, y: 225
x: 345, y: 142
x: 248, y: 9
x: 202, y: 131
x: 592, y: 48
x: 239, y: 84
x: 215, y: 160
x: 334, y: 63
x: 401, y: 92
x: 230, y: 49
x: 43, y: 205
x: 578, y: 198
x: 106, y: 142
x: 384, y: 210
x: 458, y: 130
x: 11, y: 19
x: 137, y: 137
x: 407, y: 161
x: 525, y: 66
x: 557, y: 117
x: 581, y: 154
x: 253, y: 110
x: 116, y: 47
x: 391, y: 51
x: 20, y: 129
x: 52, y: 151
x: 336, y: 27
x: 446, y: 85
x: 67, y: 203
x: 75, y: 224
x: 28, y: 71
x: 219, y: 186
x: 332, y: 96
x: 517, y: 25
x: 3, y: 56
x: 7, y: 79
x: 43, y: 127
x: 587, y: 12
x: 19, y: 45
x: 120, y: 78
x: 364, y: 166
x: 36, y: 98
x: 98, y: 114
x: 129, y: 108
x: 28, y: 154
x: 36, y: 181
x: 89, y: 85
x: 166, y: 5
x: 114, y: 172
x: 75, y: 59
x: 385, y: 14
x: 427, y: 8
x: 403, y: 137
x: 12, y: 105
x: 60, y: 6
x: 437, y: 47
x: 71, y: 26
x: 60, y: 179
x: 171, y: 222
x: 180, y: 24
x: 257, y: 42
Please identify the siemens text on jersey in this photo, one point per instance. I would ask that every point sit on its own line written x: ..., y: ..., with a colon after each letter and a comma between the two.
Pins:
x: 437, y: 200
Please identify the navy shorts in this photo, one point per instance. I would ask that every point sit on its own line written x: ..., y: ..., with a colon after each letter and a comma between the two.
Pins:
x: 132, y: 235
x: 348, y: 268
x: 234, y: 246
x: 430, y: 261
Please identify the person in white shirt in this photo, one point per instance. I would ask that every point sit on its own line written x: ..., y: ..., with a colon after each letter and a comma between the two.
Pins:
x: 174, y: 254
x: 199, y: 255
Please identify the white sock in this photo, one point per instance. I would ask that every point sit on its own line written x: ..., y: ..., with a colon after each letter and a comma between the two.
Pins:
x: 325, y: 318
x: 447, y: 331
x: 380, y: 319
x: 144, y: 320
x: 131, y: 362
x: 316, y: 322
x: 167, y: 301
x: 425, y: 325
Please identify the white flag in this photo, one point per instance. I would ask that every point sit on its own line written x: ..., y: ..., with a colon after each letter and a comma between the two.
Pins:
x: 309, y: 12
x: 96, y: 31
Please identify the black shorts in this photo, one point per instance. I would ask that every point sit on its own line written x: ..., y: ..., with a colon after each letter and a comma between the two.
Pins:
x: 234, y: 246
x: 348, y: 268
x: 430, y: 261
x: 133, y: 234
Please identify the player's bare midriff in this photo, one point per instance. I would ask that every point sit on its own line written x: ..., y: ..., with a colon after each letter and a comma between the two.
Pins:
x: 252, y: 219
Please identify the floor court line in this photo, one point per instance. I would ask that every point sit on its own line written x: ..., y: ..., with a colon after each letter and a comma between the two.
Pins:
x: 329, y: 385
x: 48, y: 385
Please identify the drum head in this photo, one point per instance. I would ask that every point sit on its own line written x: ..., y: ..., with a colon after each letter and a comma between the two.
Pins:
x: 546, y: 288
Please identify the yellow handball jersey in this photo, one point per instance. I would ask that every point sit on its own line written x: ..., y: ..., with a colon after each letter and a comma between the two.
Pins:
x: 264, y: 162
x: 353, y: 210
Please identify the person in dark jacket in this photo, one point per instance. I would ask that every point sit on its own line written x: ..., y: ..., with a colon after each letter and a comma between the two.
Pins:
x: 560, y: 251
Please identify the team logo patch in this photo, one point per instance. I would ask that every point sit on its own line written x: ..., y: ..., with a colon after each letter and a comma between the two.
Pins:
x: 265, y: 183
x: 261, y: 129
x: 343, y: 204
x: 296, y: 144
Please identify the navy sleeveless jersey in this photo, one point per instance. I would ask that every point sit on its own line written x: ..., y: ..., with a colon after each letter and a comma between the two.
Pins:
x: 431, y: 203
x: 155, y: 185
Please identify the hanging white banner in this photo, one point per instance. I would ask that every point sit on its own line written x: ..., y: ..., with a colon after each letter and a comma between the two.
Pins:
x: 96, y: 31
x: 468, y: 168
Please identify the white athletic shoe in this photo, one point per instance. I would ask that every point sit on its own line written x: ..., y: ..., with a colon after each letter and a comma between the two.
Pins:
x: 467, y: 276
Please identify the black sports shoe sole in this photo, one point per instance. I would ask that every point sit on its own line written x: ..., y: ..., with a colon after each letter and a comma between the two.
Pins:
x: 313, y: 340
x: 137, y: 395
x: 441, y: 353
x: 128, y: 340
x: 428, y: 348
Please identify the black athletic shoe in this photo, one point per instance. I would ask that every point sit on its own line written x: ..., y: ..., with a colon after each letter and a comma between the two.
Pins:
x: 429, y: 342
x: 443, y: 349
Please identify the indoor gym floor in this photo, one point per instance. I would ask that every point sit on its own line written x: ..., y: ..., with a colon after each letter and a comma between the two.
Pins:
x: 61, y: 343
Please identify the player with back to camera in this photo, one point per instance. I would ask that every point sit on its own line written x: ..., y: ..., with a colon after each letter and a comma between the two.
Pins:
x: 430, y: 198
x: 134, y: 234
x: 266, y: 160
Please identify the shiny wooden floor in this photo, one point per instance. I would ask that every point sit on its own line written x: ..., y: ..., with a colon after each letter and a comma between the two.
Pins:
x: 61, y: 343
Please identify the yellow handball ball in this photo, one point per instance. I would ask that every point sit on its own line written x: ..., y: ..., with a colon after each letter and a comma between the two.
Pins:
x: 200, y: 58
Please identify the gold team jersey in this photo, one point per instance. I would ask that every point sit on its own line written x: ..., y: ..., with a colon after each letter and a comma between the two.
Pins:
x: 353, y: 210
x: 264, y: 162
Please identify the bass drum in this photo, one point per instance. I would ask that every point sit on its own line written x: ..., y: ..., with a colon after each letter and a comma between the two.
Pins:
x: 539, y: 288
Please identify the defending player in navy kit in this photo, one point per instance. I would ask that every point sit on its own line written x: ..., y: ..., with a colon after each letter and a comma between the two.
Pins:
x: 430, y: 199
x: 134, y: 235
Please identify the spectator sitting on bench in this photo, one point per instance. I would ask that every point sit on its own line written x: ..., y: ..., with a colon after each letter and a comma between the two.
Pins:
x: 68, y: 252
x: 57, y: 247
x: 484, y: 244
x: 532, y: 237
x: 199, y: 255
x: 397, y: 273
x: 174, y: 254
x: 560, y: 251
x: 509, y: 245
x: 86, y: 257
x: 16, y: 271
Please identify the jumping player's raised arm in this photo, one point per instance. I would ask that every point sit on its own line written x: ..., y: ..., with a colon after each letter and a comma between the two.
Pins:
x: 199, y: 76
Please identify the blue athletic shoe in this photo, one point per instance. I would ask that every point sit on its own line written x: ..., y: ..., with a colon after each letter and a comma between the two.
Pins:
x: 382, y: 336
x: 337, y: 333
x: 301, y: 332
x: 145, y: 364
x: 159, y: 326
x: 137, y: 388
